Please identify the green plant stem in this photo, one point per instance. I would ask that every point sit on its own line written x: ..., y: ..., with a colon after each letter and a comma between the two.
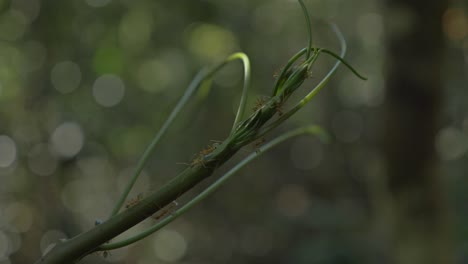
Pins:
x: 315, y: 130
x: 150, y: 148
x: 281, y: 78
x: 319, y: 86
x: 244, y: 133
x: 243, y: 100
x: 309, y: 29
x: 202, y: 76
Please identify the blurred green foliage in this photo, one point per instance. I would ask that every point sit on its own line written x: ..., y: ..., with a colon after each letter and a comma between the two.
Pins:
x: 68, y: 141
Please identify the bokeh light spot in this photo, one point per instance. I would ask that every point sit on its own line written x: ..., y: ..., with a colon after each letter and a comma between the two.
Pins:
x: 7, y: 151
x: 108, y: 90
x: 306, y: 153
x: 98, y: 3
x: 67, y: 139
x: 12, y: 25
x: 41, y: 161
x: 169, y: 245
x: 65, y: 76
x: 135, y: 28
x: 29, y: 8
x: 153, y: 76
x: 292, y: 200
x: 451, y: 143
x: 455, y: 23
x: 20, y: 216
x: 210, y: 42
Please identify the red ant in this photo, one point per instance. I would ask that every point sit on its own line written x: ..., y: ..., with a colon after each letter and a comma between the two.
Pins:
x: 279, y: 107
x: 200, y: 157
x: 259, y: 103
x: 165, y: 210
x: 103, y: 254
x: 134, y: 201
x: 258, y: 144
x: 207, y: 150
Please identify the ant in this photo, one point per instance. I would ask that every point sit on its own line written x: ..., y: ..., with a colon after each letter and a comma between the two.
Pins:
x: 165, y: 210
x: 201, y: 157
x: 207, y: 150
x: 134, y: 201
x: 258, y: 144
x: 103, y: 254
x: 279, y: 107
x: 259, y: 103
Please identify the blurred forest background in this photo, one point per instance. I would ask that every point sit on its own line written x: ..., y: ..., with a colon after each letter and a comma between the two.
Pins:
x: 85, y: 84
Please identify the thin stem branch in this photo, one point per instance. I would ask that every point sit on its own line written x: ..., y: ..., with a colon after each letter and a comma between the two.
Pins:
x: 202, y: 76
x: 283, y: 75
x: 243, y: 101
x: 150, y: 148
x: 320, y: 85
x: 314, y: 130
x: 309, y: 29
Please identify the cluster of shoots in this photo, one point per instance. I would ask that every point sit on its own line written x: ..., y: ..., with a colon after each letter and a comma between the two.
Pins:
x: 251, y: 129
x: 268, y: 113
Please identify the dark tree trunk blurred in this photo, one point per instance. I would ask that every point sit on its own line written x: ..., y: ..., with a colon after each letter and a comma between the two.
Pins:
x: 414, y: 55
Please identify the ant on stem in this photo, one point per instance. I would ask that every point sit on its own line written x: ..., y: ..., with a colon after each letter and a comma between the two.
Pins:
x: 134, y: 201
x: 201, y: 157
x: 165, y: 210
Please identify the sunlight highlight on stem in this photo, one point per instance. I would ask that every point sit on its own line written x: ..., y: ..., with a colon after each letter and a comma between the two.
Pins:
x: 243, y: 101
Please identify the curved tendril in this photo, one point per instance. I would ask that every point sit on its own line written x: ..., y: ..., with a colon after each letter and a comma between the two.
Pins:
x: 309, y: 29
x: 306, y: 64
x: 201, y: 76
x: 351, y: 68
x: 243, y: 101
x: 285, y: 69
x: 320, y: 85
x: 314, y: 130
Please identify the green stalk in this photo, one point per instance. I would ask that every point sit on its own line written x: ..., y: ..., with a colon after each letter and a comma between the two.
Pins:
x: 283, y: 75
x: 243, y: 101
x: 314, y: 130
x: 202, y: 76
x: 244, y: 132
x: 309, y: 29
x: 320, y: 85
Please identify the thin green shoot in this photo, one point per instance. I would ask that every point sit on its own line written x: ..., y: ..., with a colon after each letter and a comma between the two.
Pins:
x: 309, y: 29
x: 201, y: 77
x: 320, y: 85
x: 313, y: 130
